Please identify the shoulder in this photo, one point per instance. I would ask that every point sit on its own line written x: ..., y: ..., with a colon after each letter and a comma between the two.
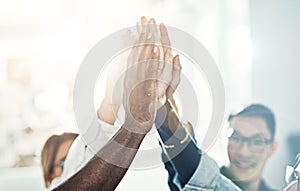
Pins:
x: 226, y: 172
x: 207, y: 175
x: 264, y: 187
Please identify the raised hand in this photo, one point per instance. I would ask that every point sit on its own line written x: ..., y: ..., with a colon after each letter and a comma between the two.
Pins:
x: 148, y: 75
x: 176, y: 66
x: 114, y: 90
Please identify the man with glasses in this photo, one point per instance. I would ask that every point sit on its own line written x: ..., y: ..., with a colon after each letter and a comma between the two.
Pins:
x: 250, y: 145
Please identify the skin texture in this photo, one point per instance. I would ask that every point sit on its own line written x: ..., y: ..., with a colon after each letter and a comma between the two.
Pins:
x: 112, y: 100
x: 99, y: 174
x: 145, y: 89
x: 246, y: 166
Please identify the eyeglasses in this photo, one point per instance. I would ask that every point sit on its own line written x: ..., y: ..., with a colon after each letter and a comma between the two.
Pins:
x: 58, y: 164
x: 255, y: 143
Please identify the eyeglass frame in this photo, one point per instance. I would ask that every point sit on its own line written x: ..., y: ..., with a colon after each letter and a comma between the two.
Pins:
x: 248, y: 140
x: 58, y: 164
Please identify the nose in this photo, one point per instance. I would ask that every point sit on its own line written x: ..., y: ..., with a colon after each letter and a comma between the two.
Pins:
x: 244, y: 149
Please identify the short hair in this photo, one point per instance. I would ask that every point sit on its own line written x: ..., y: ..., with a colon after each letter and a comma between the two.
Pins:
x: 261, y: 111
x: 49, y: 152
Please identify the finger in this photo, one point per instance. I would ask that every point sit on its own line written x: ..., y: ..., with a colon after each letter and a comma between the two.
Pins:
x: 144, y: 24
x: 146, y: 64
x: 153, y: 30
x: 150, y: 39
x: 165, y: 75
x: 147, y: 51
x: 131, y: 67
x: 176, y: 63
x: 144, y: 20
x: 138, y: 27
x: 168, y: 61
x: 176, y: 68
x: 157, y: 42
x: 165, y: 68
x: 129, y: 41
x: 142, y: 38
x: 175, y: 77
x: 133, y: 56
x: 135, y: 50
x: 176, y: 72
x: 136, y: 54
x: 156, y: 53
x: 153, y: 63
x: 164, y: 37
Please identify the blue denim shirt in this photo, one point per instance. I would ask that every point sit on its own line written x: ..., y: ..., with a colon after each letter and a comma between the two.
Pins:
x: 208, y: 177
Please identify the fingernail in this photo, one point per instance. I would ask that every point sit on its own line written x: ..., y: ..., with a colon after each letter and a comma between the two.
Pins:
x: 144, y: 19
x: 152, y: 20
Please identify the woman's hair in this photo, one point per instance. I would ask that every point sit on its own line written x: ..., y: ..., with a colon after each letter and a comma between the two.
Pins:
x: 49, y: 152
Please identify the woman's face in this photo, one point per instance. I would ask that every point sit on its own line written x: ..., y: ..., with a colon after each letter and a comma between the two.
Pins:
x: 60, y: 157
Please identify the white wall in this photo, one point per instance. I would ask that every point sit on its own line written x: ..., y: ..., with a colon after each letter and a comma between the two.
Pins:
x: 276, y: 67
x: 26, y: 178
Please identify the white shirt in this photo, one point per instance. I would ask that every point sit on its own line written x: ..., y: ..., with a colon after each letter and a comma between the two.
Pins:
x: 86, y: 146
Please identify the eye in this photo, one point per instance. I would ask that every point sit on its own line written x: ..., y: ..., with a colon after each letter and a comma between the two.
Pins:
x: 234, y: 138
x: 257, y: 142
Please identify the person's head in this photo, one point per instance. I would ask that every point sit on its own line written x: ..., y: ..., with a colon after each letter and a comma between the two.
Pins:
x: 252, y: 142
x: 54, y: 153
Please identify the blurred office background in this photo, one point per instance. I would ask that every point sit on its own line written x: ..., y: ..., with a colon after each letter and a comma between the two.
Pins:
x: 42, y: 43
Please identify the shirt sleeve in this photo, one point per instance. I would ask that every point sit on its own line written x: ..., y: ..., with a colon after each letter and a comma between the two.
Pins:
x: 208, y: 177
x: 180, y: 161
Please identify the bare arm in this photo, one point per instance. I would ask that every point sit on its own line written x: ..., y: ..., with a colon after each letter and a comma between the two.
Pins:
x: 143, y: 95
x: 99, y: 174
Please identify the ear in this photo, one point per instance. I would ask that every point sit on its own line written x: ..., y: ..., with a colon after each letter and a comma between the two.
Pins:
x: 274, y: 147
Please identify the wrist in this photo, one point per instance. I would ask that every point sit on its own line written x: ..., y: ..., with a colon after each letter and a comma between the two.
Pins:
x: 135, y: 126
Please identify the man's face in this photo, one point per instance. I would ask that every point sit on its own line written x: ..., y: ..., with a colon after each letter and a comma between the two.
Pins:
x: 249, y: 147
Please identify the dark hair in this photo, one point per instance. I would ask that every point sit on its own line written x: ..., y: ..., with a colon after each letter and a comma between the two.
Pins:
x: 49, y: 152
x: 261, y: 111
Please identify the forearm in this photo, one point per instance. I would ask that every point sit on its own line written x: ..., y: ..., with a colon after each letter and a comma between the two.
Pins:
x: 106, y: 169
x: 185, y: 155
